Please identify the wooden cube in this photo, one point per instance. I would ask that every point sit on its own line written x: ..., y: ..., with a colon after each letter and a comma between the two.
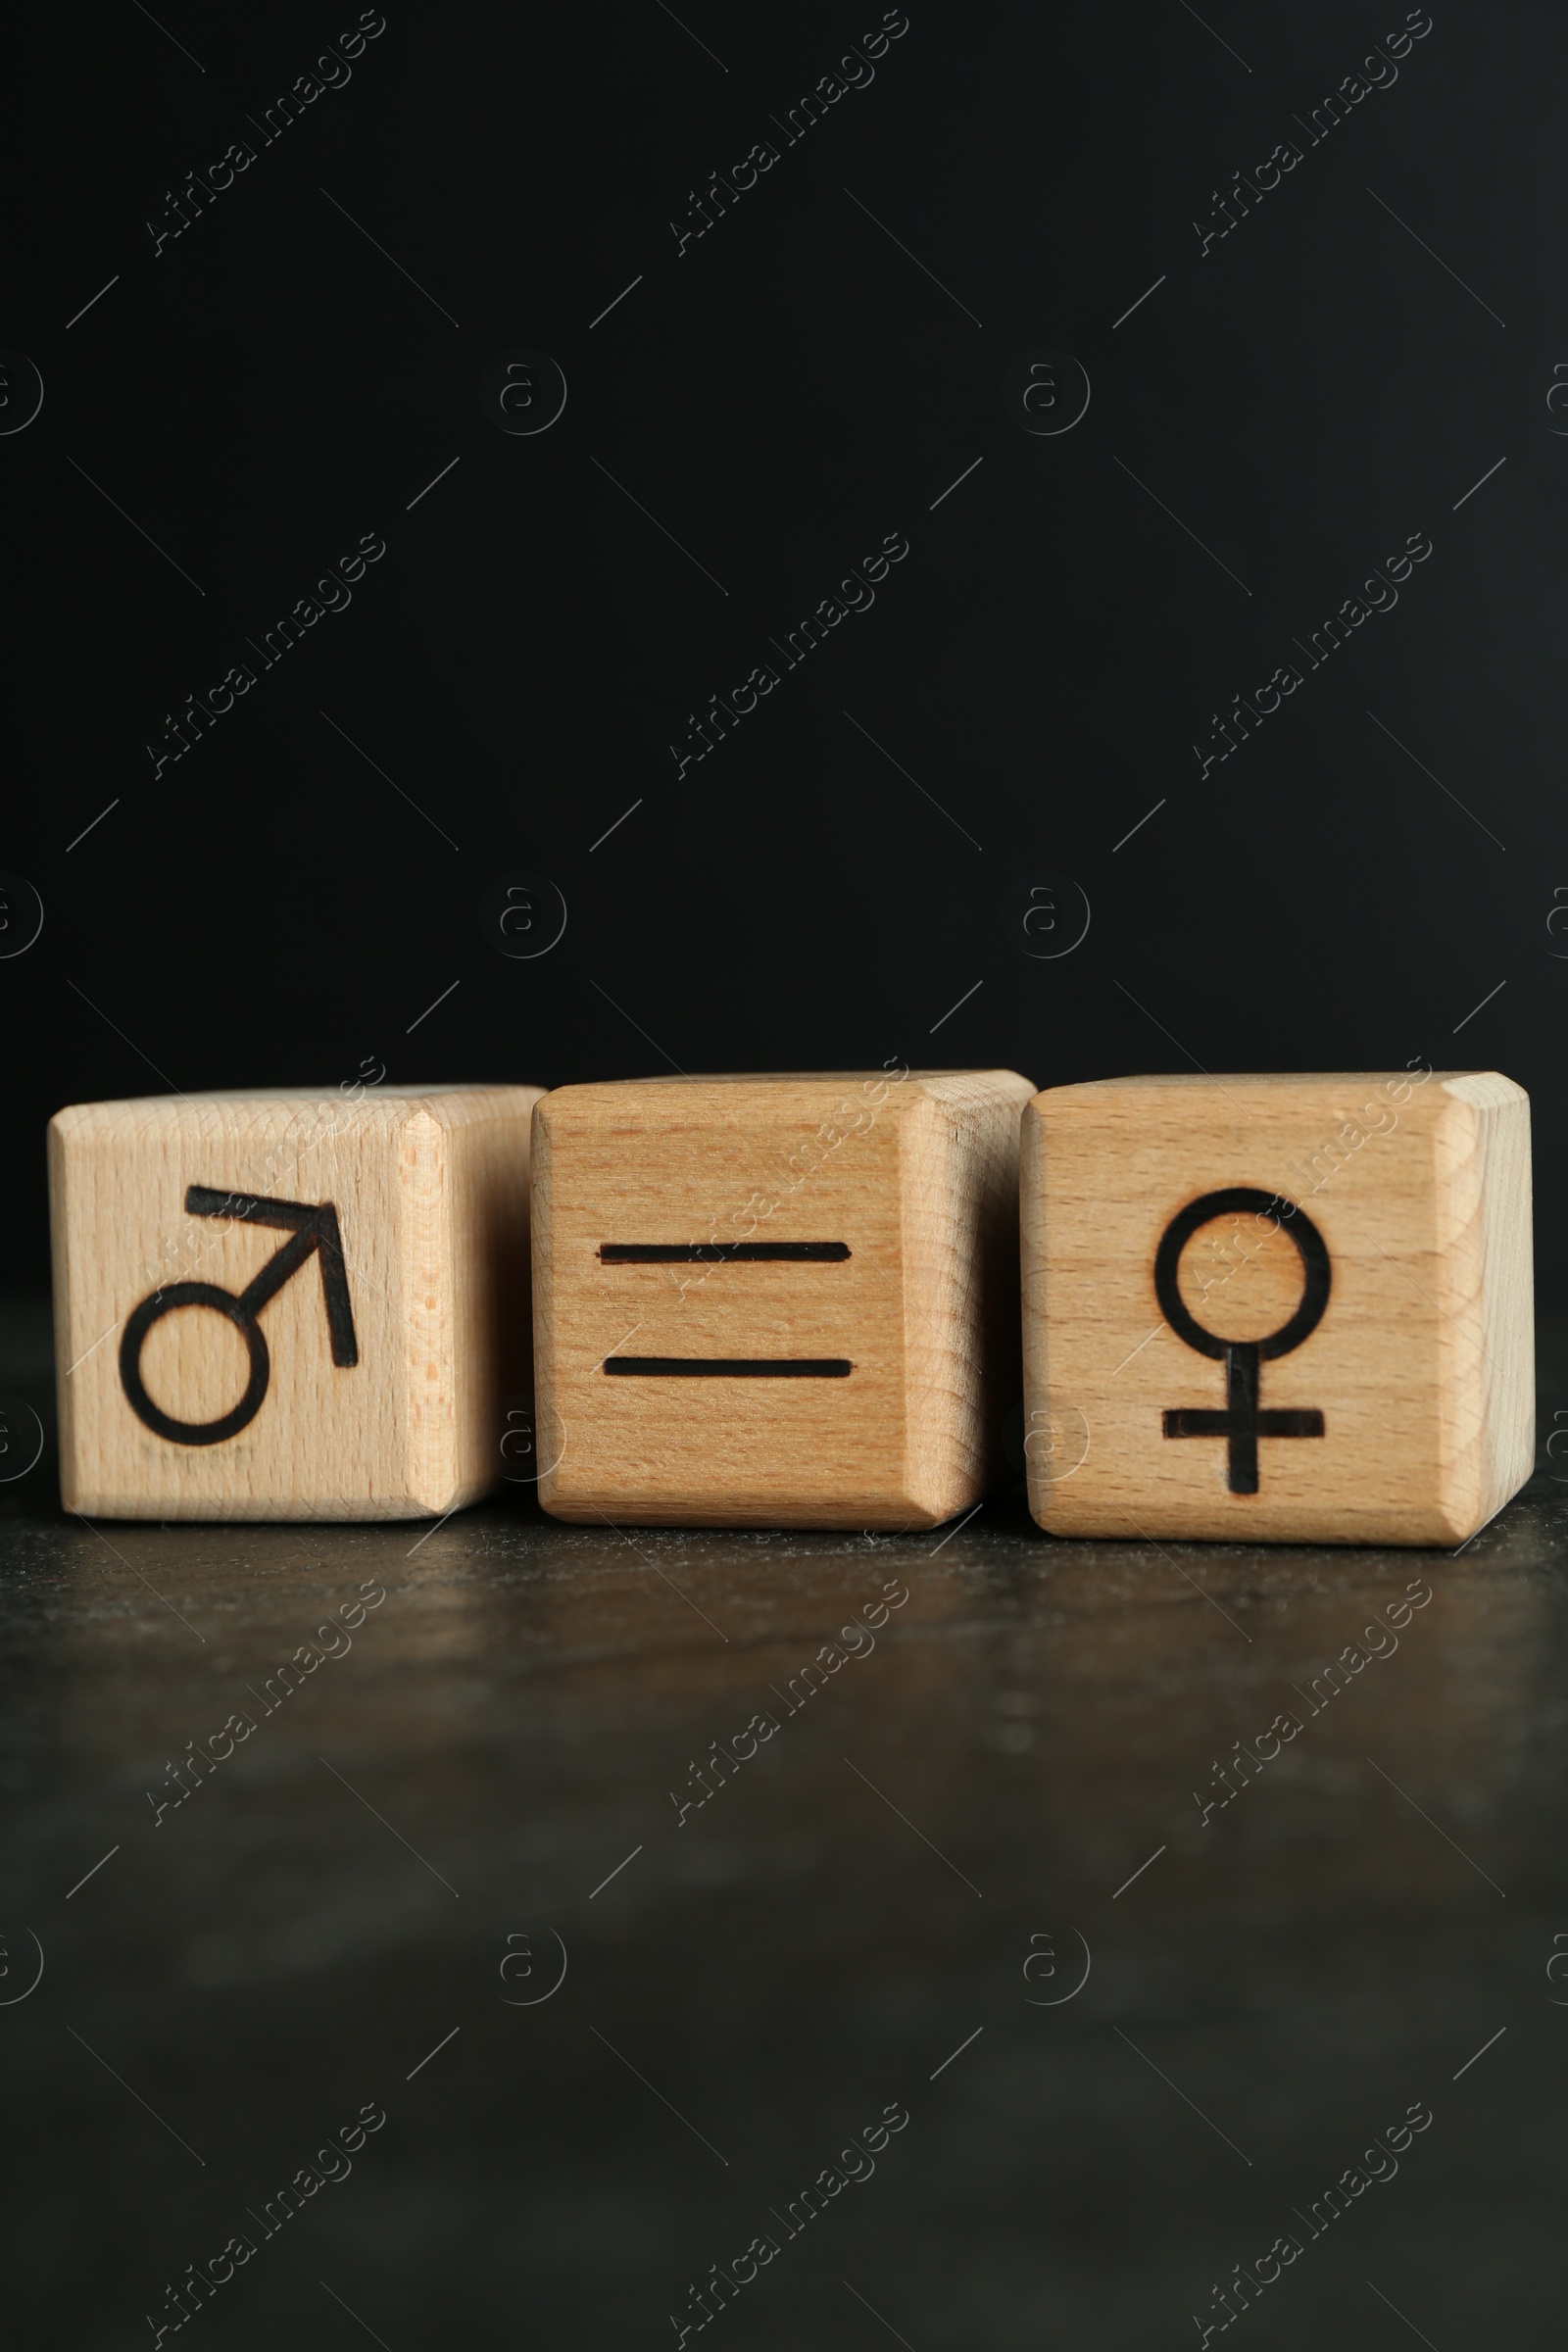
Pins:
x: 1278, y: 1308
x: 776, y: 1302
x: 304, y: 1304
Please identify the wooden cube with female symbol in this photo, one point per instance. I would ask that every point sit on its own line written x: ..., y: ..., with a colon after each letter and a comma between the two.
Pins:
x: 1278, y: 1308
x: 304, y: 1304
x: 776, y: 1301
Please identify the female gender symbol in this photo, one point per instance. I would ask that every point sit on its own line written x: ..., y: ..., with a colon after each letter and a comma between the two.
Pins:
x: 1242, y: 1423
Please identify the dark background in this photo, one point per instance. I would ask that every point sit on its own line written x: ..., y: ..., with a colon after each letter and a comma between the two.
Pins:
x: 780, y: 396
x: 873, y: 1910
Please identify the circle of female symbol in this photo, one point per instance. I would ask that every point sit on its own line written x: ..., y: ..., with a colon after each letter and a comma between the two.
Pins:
x: 1242, y: 1423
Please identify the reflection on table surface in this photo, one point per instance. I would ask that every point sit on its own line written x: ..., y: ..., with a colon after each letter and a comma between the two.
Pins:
x: 642, y: 1881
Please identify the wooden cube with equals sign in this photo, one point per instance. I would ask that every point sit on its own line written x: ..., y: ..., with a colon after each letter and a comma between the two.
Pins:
x: 776, y: 1302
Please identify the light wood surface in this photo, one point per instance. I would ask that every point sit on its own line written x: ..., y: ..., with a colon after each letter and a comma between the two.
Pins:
x: 914, y: 1175
x: 429, y: 1188
x: 1421, y: 1365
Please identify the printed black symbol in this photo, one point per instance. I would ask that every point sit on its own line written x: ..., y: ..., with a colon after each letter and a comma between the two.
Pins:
x: 730, y: 1367
x: 717, y: 1253
x: 313, y: 1226
x: 1242, y: 1423
x: 725, y: 1367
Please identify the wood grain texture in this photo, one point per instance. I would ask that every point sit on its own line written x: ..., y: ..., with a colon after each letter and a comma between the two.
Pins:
x: 915, y: 1173
x: 1422, y: 1364
x: 430, y: 1188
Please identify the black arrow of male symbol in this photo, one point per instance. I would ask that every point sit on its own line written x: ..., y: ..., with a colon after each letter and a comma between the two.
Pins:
x: 315, y: 1227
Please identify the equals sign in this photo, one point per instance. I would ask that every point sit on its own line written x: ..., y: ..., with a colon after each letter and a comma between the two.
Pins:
x: 726, y: 1367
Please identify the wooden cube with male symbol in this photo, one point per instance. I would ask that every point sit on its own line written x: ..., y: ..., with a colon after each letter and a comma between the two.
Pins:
x: 1278, y: 1308
x: 299, y: 1303
x: 765, y: 1301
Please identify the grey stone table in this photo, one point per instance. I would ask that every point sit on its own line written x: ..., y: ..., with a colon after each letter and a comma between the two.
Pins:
x: 950, y: 2016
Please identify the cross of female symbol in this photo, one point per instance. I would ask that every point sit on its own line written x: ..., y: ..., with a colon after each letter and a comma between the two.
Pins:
x: 1242, y: 1422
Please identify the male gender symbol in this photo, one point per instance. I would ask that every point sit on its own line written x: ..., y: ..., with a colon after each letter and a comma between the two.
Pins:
x: 315, y: 1228
x: 1242, y: 1422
